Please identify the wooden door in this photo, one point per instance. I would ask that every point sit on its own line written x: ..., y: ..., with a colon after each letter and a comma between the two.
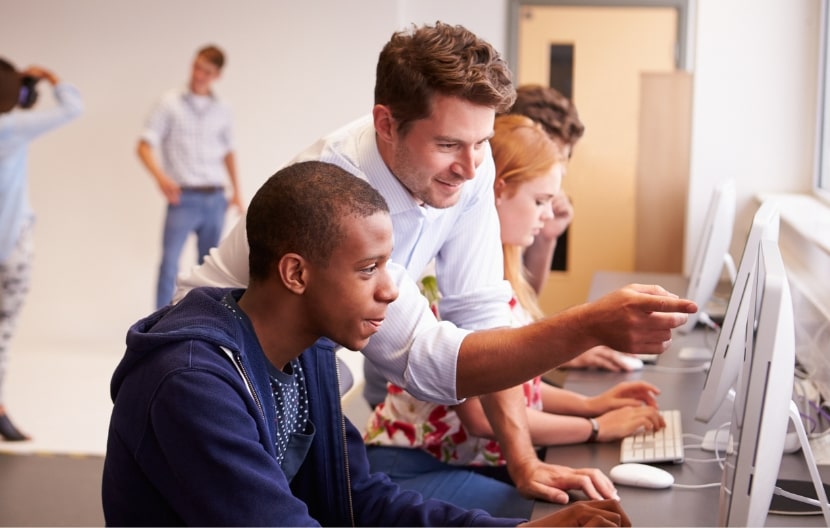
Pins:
x: 612, y: 47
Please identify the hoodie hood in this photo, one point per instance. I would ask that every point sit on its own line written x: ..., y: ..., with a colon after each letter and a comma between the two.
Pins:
x: 200, y: 315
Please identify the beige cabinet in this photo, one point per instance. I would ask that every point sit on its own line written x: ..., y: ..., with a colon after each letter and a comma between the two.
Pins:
x: 662, y: 179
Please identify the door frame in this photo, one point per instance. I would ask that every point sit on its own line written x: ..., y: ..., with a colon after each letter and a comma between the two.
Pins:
x: 685, y: 8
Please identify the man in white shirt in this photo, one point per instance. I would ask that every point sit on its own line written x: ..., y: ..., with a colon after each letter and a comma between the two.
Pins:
x: 425, y: 148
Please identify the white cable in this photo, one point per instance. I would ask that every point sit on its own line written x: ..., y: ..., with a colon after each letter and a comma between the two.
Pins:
x: 696, y: 486
x: 718, y: 457
x: 702, y: 460
x: 799, y: 498
x: 678, y: 370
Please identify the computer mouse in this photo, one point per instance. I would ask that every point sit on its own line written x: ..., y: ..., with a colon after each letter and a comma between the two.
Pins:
x: 641, y: 475
x: 792, y: 442
x: 631, y: 362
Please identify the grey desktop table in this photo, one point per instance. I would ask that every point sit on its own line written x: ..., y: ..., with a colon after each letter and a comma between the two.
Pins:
x: 680, y: 387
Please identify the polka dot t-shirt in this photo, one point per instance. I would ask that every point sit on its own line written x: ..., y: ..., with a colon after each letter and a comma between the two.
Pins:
x: 291, y: 403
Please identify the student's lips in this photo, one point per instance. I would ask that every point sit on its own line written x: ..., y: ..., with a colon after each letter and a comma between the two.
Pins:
x: 375, y: 323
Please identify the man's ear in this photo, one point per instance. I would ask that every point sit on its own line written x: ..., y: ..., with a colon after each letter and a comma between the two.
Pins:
x: 384, y: 122
x: 293, y: 270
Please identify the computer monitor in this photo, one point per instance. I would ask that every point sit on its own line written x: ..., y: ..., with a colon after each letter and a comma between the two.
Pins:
x: 727, y: 357
x: 712, y: 249
x: 760, y: 415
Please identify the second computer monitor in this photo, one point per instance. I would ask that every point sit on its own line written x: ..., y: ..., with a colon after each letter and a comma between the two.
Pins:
x: 712, y: 249
x: 729, y: 347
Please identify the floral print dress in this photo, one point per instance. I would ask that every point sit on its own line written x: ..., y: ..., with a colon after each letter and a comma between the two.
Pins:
x: 404, y: 421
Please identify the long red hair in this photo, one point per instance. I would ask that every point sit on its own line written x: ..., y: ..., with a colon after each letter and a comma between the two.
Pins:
x: 522, y: 151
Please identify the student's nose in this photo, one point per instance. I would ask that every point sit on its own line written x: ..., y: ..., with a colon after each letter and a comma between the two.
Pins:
x: 387, y: 289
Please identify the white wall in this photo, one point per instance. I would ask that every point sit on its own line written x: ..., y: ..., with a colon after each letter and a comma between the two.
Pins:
x: 295, y: 70
x: 298, y: 69
x: 754, y: 109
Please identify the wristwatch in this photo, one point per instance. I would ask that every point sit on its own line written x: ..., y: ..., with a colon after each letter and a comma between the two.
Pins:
x: 594, y: 430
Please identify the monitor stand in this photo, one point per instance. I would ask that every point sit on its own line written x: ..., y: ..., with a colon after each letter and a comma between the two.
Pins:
x: 821, y: 493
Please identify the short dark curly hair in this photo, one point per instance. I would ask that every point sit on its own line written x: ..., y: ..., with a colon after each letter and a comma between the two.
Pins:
x: 548, y: 107
x: 300, y: 210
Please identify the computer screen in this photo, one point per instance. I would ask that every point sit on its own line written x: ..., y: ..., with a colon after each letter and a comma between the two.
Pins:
x: 727, y: 356
x: 712, y: 249
x: 760, y: 415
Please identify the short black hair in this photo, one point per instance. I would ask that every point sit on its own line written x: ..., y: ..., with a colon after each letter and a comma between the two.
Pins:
x: 300, y: 210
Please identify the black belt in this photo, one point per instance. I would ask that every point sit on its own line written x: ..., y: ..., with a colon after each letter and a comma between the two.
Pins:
x: 204, y: 188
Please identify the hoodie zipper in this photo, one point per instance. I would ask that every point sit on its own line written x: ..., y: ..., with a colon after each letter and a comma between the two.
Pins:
x: 345, y: 448
x: 240, y: 366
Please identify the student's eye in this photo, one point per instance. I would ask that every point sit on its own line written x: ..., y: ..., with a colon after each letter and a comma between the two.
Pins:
x: 446, y: 146
x: 370, y: 270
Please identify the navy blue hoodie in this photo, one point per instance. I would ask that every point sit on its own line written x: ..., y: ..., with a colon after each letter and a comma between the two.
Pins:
x: 192, y: 435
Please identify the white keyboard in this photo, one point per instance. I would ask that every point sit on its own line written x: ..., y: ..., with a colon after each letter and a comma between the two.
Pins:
x: 665, y: 445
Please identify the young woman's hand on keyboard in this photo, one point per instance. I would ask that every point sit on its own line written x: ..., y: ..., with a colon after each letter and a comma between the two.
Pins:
x: 624, y: 394
x: 626, y: 421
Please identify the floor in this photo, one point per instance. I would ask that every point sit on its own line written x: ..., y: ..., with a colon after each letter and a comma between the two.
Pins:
x: 59, y: 395
x: 50, y: 490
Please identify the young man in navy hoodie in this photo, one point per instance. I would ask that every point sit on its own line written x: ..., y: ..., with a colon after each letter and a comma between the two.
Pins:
x: 227, y: 408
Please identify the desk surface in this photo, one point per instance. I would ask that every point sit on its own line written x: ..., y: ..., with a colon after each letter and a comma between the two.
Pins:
x: 680, y: 382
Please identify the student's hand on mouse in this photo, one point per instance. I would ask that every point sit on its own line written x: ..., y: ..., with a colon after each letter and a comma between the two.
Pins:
x: 637, y: 318
x: 539, y: 480
x: 624, y: 394
x: 607, y: 512
x: 599, y: 357
x: 627, y: 421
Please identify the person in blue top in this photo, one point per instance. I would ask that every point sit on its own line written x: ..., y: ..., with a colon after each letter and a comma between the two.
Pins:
x: 20, y: 124
x: 226, y: 405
